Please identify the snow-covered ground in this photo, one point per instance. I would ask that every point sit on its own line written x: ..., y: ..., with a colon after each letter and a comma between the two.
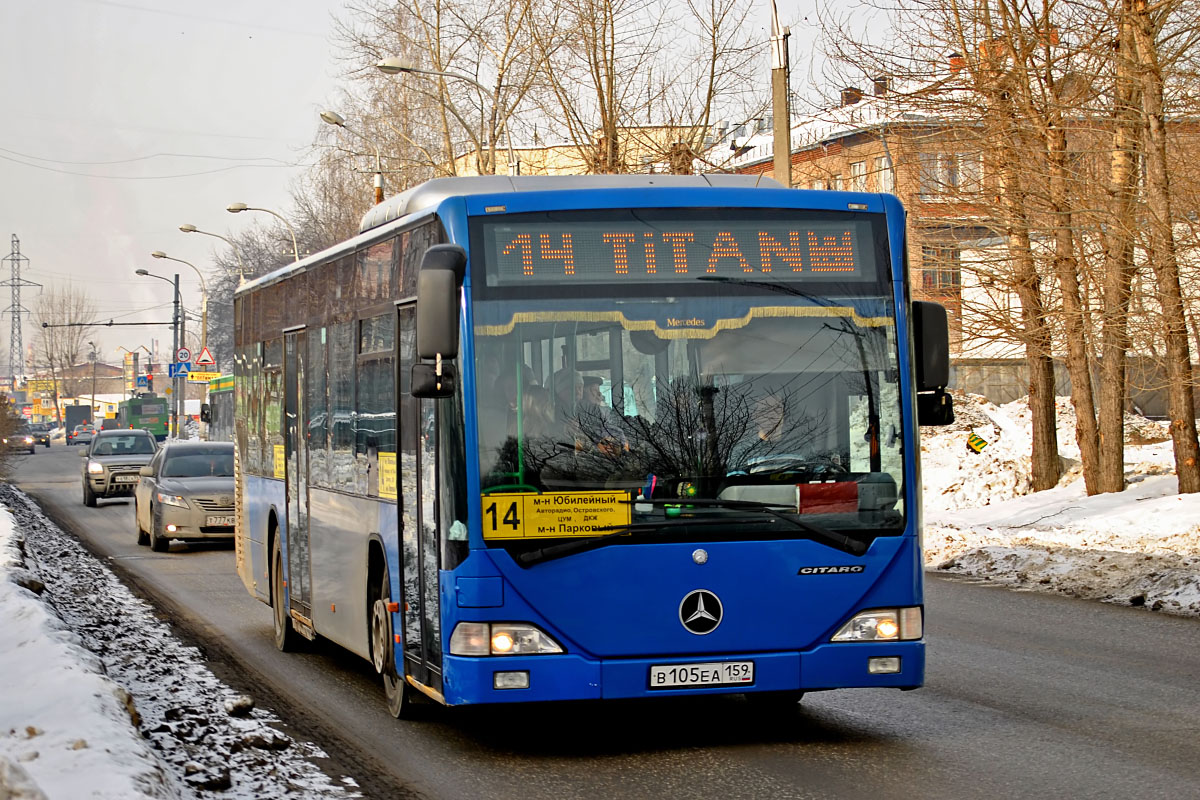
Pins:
x: 99, y: 700
x: 1140, y: 547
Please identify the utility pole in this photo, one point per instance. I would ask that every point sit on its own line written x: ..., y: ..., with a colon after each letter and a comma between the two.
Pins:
x: 177, y: 336
x: 16, y: 350
x: 781, y: 116
x: 94, y: 354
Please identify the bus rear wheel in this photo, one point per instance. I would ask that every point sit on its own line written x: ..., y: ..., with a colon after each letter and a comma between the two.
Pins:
x: 287, y: 640
x: 401, y: 697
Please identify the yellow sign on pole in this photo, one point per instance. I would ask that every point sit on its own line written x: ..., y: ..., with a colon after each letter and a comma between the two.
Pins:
x: 202, y: 377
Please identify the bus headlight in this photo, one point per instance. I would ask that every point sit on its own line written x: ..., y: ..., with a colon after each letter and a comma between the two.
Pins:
x: 883, y: 625
x: 171, y: 500
x: 501, y: 639
x: 95, y: 468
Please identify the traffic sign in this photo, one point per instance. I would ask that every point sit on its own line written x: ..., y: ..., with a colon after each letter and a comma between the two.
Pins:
x: 202, y: 377
x: 205, y: 359
x: 142, y: 381
x: 178, y: 370
x: 183, y: 354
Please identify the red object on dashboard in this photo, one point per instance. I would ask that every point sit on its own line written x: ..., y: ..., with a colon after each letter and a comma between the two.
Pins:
x: 827, y: 498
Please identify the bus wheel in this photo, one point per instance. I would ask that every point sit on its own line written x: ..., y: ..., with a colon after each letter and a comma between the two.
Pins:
x: 401, y: 697
x: 287, y: 640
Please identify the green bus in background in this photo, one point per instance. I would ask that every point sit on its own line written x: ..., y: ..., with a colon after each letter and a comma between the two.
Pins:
x: 217, y: 411
x: 148, y: 411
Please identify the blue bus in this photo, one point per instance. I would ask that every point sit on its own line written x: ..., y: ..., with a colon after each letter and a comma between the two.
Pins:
x: 563, y: 438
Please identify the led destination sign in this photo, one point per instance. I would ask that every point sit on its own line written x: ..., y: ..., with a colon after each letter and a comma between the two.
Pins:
x: 571, y: 247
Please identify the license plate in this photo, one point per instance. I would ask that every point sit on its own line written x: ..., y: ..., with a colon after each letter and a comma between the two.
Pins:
x: 125, y: 478
x: 719, y: 673
x: 219, y: 522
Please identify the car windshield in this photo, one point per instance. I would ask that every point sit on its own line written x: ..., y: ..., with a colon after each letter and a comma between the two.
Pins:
x: 124, y: 445
x: 218, y: 464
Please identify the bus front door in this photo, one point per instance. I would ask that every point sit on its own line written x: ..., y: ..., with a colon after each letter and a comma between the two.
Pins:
x: 299, y: 575
x: 419, y: 552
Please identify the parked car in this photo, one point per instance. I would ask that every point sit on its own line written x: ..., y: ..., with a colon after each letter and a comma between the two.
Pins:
x: 21, y: 438
x: 41, y: 432
x: 111, y: 463
x: 185, y: 492
x: 81, y: 434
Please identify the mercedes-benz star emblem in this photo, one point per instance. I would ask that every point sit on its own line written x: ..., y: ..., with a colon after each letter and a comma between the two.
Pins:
x: 700, y: 612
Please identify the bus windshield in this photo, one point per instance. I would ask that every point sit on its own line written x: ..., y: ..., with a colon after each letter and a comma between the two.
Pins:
x: 736, y: 370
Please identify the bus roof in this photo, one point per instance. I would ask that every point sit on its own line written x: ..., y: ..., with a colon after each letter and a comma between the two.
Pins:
x: 429, y: 194
x: 432, y: 192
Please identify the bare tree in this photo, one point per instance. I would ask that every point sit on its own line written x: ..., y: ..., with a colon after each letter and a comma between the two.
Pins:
x: 63, y: 313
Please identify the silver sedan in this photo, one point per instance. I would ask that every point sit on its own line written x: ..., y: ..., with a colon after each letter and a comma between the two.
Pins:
x: 186, y: 493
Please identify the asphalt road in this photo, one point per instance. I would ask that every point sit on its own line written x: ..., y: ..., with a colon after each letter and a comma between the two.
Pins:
x: 1026, y: 695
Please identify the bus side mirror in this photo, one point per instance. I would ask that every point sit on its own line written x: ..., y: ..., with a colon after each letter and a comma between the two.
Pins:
x: 931, y: 352
x: 438, y: 282
x: 442, y: 269
x: 205, y: 412
x: 427, y: 383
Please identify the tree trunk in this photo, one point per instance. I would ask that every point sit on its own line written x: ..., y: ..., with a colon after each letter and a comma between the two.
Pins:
x: 1180, y: 401
x: 1119, y: 267
x: 1066, y: 267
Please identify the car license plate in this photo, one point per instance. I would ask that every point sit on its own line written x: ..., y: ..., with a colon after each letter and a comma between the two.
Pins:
x: 125, y: 478
x: 225, y: 521
x: 720, y: 673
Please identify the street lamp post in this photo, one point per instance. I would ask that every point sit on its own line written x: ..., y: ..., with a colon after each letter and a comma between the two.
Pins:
x: 203, y: 296
x: 177, y: 339
x: 394, y: 66
x: 237, y: 255
x: 336, y: 119
x: 93, y: 346
x: 235, y: 208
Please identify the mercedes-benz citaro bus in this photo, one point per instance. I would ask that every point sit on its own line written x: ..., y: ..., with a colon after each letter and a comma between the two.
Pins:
x: 561, y: 438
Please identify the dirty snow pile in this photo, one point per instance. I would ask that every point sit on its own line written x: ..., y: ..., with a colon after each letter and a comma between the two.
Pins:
x: 1139, y: 547
x: 98, y: 698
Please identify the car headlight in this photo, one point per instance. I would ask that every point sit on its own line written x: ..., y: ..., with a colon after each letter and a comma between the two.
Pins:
x: 95, y: 468
x: 28, y: 440
x: 501, y: 639
x: 172, y: 500
x: 882, y: 625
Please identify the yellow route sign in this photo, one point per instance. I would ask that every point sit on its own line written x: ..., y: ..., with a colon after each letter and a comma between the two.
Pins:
x: 553, y: 514
x: 202, y: 377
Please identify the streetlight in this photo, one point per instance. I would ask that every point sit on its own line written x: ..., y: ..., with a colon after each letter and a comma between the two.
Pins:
x: 234, y: 208
x: 334, y: 118
x: 395, y: 66
x: 93, y: 346
x: 203, y: 295
x: 241, y: 264
x: 177, y: 331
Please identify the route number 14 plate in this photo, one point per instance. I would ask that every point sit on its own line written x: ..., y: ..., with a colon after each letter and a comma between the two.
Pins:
x: 721, y: 673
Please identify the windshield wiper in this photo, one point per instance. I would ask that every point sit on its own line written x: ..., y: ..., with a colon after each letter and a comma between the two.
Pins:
x: 613, y: 532
x: 819, y: 533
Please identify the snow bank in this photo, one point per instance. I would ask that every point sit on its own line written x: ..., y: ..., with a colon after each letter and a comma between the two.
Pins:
x: 1139, y: 547
x: 65, y: 727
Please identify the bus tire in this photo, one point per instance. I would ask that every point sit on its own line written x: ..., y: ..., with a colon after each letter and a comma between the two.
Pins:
x: 401, y: 697
x: 287, y: 640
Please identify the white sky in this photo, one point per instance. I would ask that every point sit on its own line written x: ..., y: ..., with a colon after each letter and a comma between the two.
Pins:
x: 107, y: 80
x: 232, y: 88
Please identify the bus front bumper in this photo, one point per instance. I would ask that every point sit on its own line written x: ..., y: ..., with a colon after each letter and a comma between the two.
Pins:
x: 574, y: 677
